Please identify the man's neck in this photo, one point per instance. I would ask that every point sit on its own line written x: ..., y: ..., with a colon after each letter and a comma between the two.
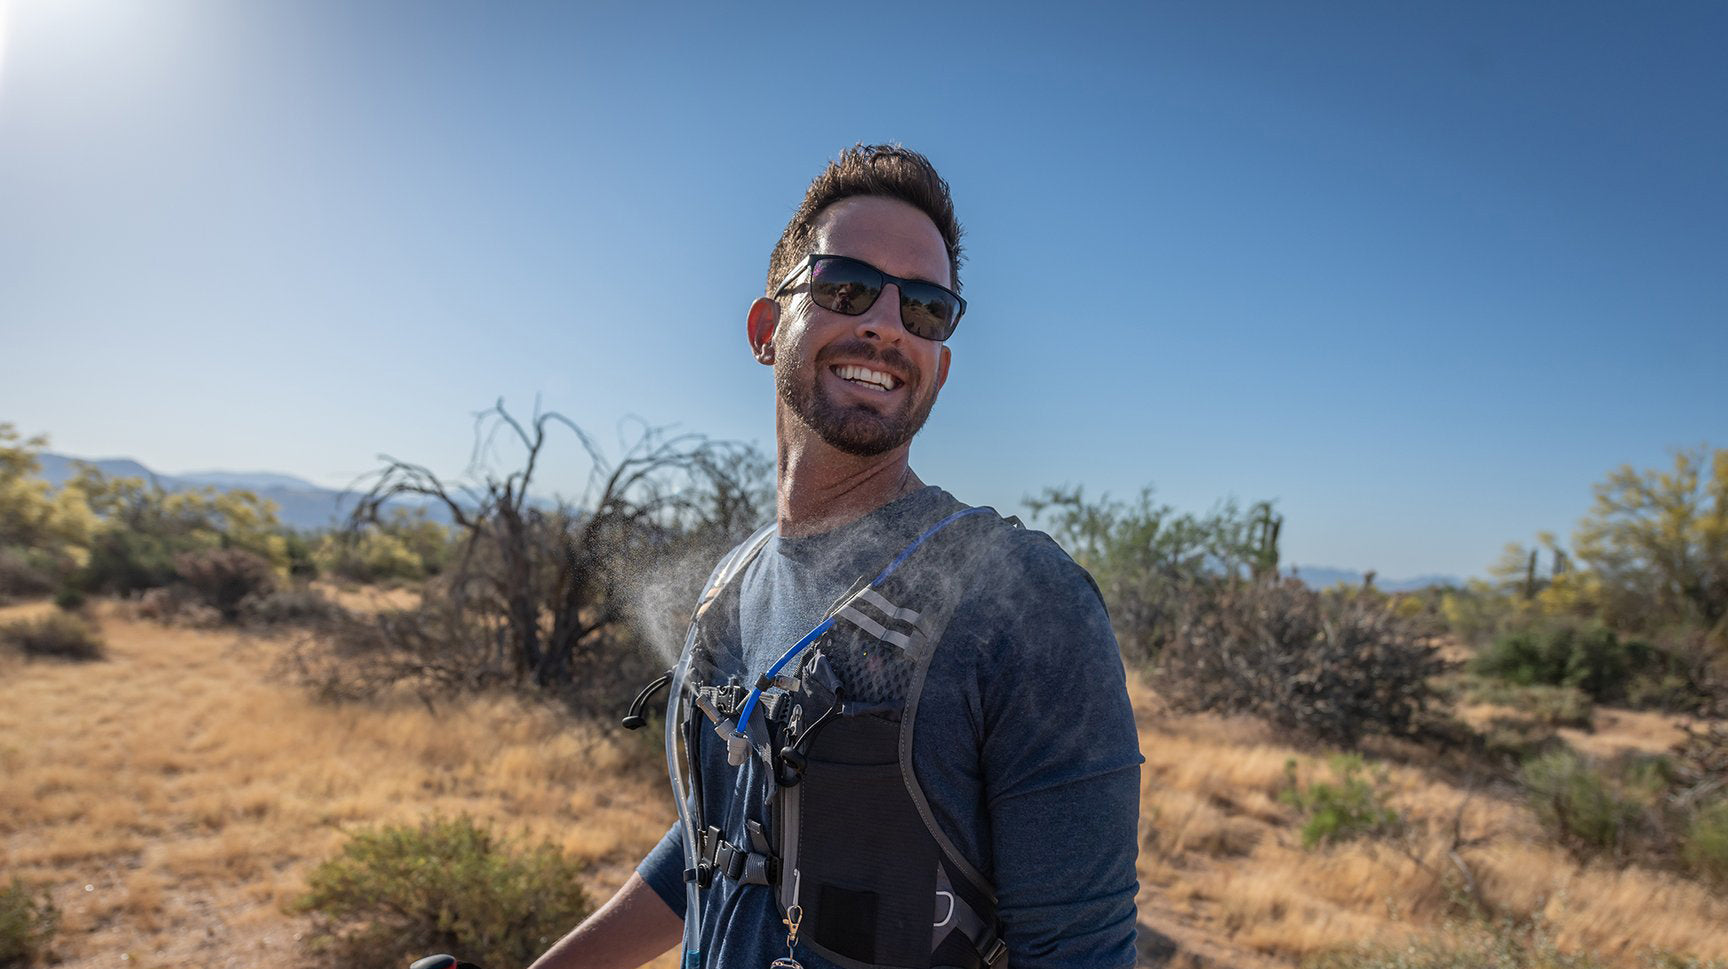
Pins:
x: 820, y: 488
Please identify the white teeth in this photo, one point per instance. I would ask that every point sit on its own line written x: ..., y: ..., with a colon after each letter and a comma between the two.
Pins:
x: 864, y: 375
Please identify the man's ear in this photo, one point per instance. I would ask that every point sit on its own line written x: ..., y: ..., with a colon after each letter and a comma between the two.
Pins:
x: 759, y: 326
x: 942, y: 368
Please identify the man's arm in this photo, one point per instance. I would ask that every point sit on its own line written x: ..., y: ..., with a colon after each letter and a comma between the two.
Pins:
x: 1061, y: 760
x: 633, y: 927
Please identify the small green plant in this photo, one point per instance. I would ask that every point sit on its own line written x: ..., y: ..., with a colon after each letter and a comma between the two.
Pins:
x: 1705, y: 847
x: 58, y: 635
x: 1578, y: 803
x: 69, y: 600
x: 447, y: 885
x: 28, y: 922
x: 1353, y: 807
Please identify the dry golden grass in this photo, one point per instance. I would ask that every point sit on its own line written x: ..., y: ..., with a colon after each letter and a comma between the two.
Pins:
x: 1220, y: 852
x: 173, y: 798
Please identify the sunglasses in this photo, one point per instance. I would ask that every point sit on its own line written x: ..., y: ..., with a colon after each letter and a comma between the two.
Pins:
x: 849, y: 286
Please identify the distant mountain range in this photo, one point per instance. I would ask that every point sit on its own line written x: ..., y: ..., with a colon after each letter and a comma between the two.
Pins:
x: 299, y: 503
x: 1322, y: 577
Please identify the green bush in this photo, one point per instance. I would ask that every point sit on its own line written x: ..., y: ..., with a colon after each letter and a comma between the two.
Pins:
x: 1705, y: 847
x: 124, y: 561
x: 1337, y: 812
x: 447, y: 885
x: 1579, y: 804
x: 58, y: 635
x: 69, y: 600
x: 27, y: 925
x: 1587, y: 656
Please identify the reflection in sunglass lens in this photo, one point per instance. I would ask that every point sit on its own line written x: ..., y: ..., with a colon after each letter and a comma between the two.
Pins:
x: 844, y: 286
x: 926, y: 311
x: 851, y: 287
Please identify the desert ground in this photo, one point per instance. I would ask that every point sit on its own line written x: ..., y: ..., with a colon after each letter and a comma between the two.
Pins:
x: 173, y: 797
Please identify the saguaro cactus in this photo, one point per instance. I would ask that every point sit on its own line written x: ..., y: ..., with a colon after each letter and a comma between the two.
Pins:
x: 1263, y: 539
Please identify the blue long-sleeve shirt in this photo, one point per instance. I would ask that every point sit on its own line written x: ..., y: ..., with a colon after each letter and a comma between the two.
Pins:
x: 1026, y: 746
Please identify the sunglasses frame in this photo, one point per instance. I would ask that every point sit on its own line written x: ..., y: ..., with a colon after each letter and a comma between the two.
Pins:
x: 809, y: 265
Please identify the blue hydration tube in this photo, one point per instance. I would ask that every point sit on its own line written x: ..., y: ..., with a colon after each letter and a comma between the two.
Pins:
x: 827, y: 624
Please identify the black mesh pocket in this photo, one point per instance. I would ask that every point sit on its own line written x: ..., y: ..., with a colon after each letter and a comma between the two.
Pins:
x: 861, y: 835
x: 871, y: 670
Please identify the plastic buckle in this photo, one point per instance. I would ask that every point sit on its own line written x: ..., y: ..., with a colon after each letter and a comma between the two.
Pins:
x: 729, y: 861
x: 995, y: 952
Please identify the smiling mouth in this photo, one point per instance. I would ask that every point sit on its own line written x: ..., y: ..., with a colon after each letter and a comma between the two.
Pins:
x: 865, y: 377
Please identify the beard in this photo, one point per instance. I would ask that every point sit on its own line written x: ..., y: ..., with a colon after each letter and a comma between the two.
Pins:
x: 854, y: 428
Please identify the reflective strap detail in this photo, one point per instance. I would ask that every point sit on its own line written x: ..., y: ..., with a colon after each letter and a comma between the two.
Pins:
x: 887, y: 608
x: 875, y: 628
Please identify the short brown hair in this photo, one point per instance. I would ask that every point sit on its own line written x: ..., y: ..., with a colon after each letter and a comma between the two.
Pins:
x: 891, y: 171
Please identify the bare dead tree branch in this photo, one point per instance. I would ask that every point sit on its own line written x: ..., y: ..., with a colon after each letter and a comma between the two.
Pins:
x: 541, y: 591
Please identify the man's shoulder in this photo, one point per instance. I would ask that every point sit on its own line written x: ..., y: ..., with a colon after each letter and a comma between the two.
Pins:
x: 1003, y: 559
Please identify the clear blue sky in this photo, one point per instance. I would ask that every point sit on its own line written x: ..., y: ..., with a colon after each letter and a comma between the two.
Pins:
x: 1419, y: 272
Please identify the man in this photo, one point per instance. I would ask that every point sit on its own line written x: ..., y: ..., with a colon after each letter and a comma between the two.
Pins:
x: 819, y: 826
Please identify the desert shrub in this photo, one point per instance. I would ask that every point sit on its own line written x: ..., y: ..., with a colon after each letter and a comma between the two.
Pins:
x: 23, y: 574
x: 1477, y: 612
x: 1149, y: 559
x: 1658, y: 542
x: 1588, y: 656
x: 400, y: 545
x: 1701, y: 759
x: 560, y: 596
x: 70, y: 600
x: 1581, y: 805
x: 447, y: 885
x: 1514, y: 740
x: 58, y: 635
x: 225, y: 577
x: 28, y: 922
x: 123, y: 561
x: 1353, y: 807
x: 1705, y: 848
x: 176, y: 605
x: 1553, y: 706
x: 296, y: 605
x: 1336, y: 667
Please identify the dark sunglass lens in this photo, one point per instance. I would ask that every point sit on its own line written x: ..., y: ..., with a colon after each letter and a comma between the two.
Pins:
x: 844, y: 285
x: 927, y: 312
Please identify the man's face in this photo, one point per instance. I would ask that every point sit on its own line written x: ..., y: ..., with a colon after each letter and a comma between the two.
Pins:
x: 813, y: 346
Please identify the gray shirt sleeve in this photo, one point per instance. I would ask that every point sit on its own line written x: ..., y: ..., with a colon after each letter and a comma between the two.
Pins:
x: 663, y: 869
x: 1060, y: 758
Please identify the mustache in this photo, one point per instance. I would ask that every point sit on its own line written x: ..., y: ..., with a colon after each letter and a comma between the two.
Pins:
x: 862, y: 351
